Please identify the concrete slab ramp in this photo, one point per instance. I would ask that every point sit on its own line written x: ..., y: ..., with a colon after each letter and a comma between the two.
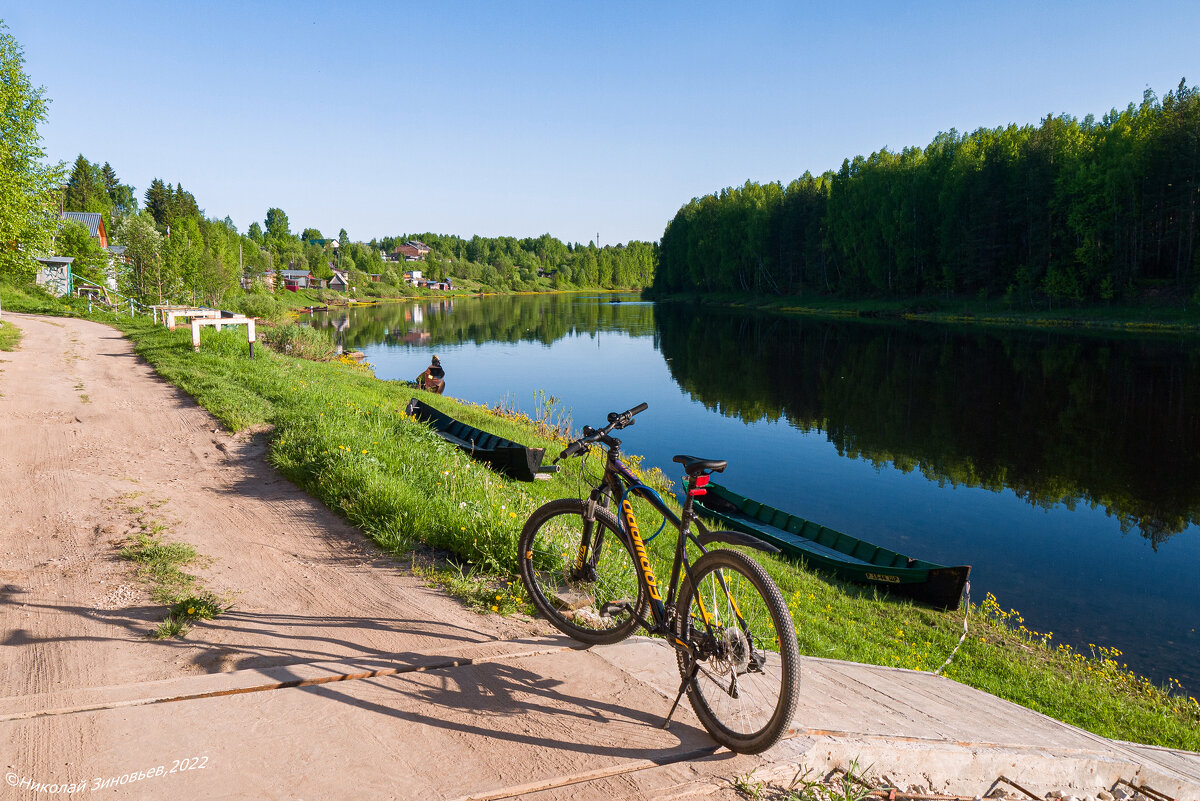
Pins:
x: 534, y: 718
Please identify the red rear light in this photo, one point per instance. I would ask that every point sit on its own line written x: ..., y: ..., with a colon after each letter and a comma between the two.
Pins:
x: 701, y: 481
x: 696, y: 492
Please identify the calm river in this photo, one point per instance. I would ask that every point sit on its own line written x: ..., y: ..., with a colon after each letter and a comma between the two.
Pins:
x: 1064, y: 468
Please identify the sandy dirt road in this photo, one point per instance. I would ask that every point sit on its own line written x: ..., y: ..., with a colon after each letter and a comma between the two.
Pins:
x: 93, y: 447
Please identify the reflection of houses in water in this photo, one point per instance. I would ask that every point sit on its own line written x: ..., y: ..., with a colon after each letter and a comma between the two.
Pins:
x: 411, y: 336
x: 341, y: 325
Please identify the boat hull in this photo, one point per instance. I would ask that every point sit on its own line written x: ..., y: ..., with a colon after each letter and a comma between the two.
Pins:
x: 502, y: 455
x: 849, y: 558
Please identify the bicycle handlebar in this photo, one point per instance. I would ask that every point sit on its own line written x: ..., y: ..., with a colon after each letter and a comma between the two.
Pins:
x: 615, y: 421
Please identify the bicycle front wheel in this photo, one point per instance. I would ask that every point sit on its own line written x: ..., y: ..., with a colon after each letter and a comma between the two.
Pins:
x: 747, y: 676
x: 581, y: 573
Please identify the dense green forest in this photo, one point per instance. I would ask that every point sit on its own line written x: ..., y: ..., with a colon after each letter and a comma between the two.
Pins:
x: 175, y: 252
x: 1062, y: 212
x: 508, y: 263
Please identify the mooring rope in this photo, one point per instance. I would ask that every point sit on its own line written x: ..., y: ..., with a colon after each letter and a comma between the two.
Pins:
x: 966, y: 614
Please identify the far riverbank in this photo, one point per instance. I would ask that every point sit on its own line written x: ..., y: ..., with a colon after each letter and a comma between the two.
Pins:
x: 1171, y: 316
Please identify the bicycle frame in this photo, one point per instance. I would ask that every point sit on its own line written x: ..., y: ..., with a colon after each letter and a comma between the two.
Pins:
x: 619, y: 481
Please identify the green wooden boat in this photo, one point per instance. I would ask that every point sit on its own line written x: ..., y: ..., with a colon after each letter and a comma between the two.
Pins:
x: 845, y: 556
x: 503, y: 455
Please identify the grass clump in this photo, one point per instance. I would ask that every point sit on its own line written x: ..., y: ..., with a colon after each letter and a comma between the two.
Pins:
x: 161, y: 563
x: 10, y: 336
x: 481, y: 592
x: 204, y: 606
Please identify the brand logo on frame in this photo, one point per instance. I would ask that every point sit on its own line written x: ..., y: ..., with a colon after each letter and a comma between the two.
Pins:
x: 640, y: 547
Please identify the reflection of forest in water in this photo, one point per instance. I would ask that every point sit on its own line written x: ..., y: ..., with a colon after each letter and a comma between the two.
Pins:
x: 1057, y: 418
x: 503, y: 318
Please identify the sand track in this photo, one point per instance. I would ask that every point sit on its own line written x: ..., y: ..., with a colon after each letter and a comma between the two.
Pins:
x: 94, y: 446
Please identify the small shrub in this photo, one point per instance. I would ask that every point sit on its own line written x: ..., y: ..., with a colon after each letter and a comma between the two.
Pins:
x: 261, y: 305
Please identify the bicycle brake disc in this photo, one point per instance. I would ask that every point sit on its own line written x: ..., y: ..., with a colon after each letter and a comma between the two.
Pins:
x: 735, y: 651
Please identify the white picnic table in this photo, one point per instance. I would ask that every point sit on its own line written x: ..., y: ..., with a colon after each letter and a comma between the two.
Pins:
x: 170, y: 316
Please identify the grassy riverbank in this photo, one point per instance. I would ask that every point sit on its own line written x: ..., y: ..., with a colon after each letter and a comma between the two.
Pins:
x: 338, y: 432
x: 1168, y: 315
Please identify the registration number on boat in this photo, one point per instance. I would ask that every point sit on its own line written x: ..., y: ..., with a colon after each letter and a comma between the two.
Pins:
x: 881, y: 577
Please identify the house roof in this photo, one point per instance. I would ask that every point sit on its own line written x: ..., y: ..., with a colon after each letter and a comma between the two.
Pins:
x: 56, y: 260
x: 293, y: 273
x: 91, y: 220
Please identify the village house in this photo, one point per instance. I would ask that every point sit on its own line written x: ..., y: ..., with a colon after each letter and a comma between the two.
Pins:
x: 268, y: 280
x: 294, y: 280
x: 93, y: 221
x: 340, y: 281
x: 412, y: 250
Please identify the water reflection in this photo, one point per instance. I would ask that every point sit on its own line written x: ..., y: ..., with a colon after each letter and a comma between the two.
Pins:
x: 1056, y: 418
x: 507, y: 318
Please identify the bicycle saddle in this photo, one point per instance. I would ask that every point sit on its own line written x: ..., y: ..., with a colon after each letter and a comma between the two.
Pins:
x: 694, y: 466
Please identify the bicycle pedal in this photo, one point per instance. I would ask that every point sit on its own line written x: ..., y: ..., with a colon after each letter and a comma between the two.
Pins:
x: 612, y: 608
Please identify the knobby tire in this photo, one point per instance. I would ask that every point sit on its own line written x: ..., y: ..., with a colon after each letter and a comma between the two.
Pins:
x: 762, y: 712
x: 574, y: 603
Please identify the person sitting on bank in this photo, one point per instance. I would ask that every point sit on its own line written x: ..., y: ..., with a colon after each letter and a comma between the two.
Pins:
x: 434, y: 378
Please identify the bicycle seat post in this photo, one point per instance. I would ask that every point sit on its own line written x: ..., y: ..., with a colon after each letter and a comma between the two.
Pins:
x: 694, y: 486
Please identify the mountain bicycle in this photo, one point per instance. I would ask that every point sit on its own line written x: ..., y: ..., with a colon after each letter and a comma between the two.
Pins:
x: 590, y: 575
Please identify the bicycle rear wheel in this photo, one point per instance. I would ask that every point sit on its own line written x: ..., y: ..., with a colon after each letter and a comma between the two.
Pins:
x: 580, y: 573
x: 748, y: 675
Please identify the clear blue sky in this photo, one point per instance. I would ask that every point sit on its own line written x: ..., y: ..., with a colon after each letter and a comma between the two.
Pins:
x: 563, y: 117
